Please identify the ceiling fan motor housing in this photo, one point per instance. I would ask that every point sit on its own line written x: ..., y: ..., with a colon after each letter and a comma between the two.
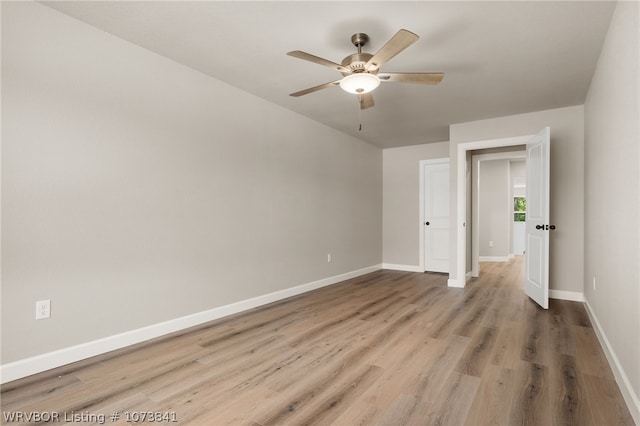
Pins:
x: 356, y: 62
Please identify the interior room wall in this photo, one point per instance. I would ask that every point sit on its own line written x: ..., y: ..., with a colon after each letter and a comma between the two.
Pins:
x: 493, y: 209
x: 401, y: 200
x: 567, y: 186
x: 518, y: 178
x: 518, y: 173
x: 612, y: 206
x: 136, y: 190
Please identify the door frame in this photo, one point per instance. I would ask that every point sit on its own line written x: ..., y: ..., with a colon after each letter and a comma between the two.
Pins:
x: 475, y: 200
x: 421, y: 229
x: 459, y: 262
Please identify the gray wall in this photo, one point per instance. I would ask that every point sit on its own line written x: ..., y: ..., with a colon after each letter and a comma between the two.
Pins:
x: 136, y: 190
x: 612, y: 182
x: 518, y: 173
x: 495, y: 205
x: 493, y: 208
x: 518, y: 177
x: 567, y: 185
x: 401, y: 205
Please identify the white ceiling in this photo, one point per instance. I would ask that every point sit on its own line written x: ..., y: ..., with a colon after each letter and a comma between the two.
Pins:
x: 499, y: 58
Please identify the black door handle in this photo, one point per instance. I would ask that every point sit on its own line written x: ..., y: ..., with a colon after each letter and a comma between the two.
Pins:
x: 426, y: 223
x: 546, y: 227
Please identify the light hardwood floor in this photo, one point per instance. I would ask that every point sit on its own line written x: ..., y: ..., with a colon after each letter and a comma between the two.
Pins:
x: 389, y: 348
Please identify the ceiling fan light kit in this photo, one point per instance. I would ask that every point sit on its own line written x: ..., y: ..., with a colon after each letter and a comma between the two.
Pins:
x: 360, y: 70
x: 359, y: 83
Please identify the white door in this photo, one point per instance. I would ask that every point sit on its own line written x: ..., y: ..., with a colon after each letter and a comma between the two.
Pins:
x: 436, y: 216
x: 537, y: 221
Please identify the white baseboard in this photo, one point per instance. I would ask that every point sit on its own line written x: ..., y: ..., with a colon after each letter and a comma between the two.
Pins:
x: 406, y: 268
x: 573, y: 296
x: 630, y: 397
x: 493, y: 258
x: 37, y: 364
x: 455, y: 283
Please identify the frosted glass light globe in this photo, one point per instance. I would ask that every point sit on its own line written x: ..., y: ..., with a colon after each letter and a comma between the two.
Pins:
x: 359, y: 83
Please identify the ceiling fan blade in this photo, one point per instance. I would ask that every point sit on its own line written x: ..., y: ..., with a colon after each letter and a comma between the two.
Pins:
x: 397, y: 44
x: 315, y: 59
x: 315, y: 88
x: 366, y: 101
x: 416, y: 77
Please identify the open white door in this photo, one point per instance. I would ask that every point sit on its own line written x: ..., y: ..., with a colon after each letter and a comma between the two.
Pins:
x: 537, y: 222
x: 436, y: 215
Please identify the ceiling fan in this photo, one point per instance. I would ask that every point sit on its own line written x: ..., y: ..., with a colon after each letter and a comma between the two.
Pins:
x: 361, y: 70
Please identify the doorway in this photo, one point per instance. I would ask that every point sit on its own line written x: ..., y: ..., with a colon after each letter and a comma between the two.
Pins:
x: 537, y: 223
x: 463, y: 215
x: 494, y: 182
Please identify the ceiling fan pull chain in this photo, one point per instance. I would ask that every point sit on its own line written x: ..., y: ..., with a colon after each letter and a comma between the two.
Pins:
x: 359, y: 113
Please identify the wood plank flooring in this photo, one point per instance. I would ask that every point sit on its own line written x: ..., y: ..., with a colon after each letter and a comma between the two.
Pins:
x: 388, y: 348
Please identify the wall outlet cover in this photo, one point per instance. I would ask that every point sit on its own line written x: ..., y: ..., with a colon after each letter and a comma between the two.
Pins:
x: 43, y: 309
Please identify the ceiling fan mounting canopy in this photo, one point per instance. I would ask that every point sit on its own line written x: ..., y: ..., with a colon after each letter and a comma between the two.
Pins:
x: 360, y: 70
x: 359, y: 39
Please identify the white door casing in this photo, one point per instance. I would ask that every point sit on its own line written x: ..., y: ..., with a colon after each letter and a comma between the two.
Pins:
x: 537, y: 220
x: 436, y: 216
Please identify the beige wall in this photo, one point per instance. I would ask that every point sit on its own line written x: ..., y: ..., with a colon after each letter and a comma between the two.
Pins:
x: 518, y: 177
x: 518, y: 170
x: 136, y: 190
x: 612, y: 207
x: 401, y: 205
x: 567, y: 186
x: 493, y: 209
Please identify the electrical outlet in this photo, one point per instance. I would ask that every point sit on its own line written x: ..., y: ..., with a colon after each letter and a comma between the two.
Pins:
x: 43, y: 309
x: 594, y: 283
x: 328, y: 257
x: 490, y: 243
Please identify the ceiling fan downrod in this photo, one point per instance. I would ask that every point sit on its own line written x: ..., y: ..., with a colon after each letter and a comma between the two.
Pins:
x: 359, y: 40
